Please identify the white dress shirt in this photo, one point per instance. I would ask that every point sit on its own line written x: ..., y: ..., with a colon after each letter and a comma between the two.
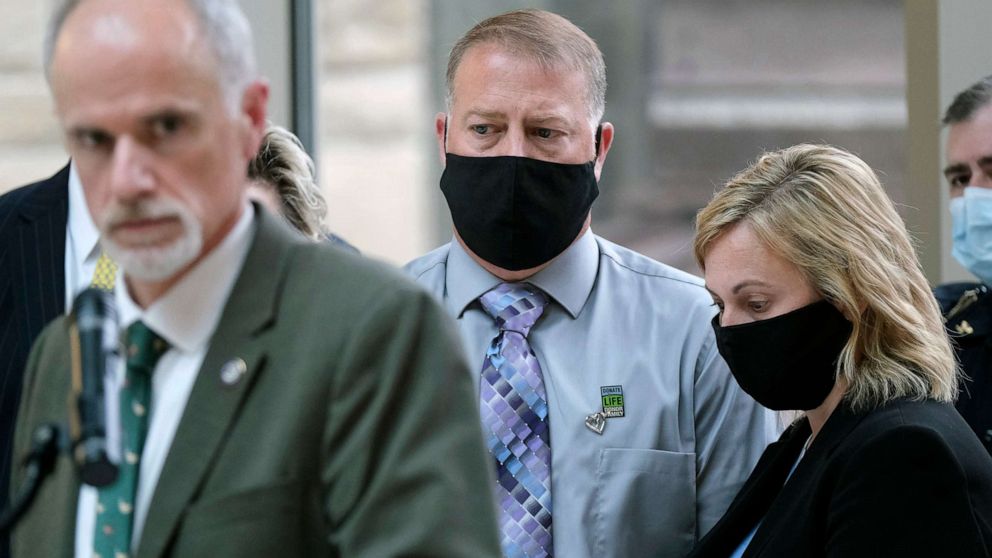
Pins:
x: 186, y: 316
x: 81, y: 247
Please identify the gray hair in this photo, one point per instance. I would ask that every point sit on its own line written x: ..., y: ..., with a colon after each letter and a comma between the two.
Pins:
x: 967, y: 102
x: 546, y: 38
x: 224, y: 26
x: 284, y: 166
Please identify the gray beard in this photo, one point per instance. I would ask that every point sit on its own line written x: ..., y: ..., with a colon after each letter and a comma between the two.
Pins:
x: 158, y: 263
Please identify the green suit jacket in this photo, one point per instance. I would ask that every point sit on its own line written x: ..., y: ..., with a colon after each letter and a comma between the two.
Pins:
x: 354, y: 431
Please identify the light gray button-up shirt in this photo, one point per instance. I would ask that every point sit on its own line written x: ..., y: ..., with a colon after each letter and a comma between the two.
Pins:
x: 659, y: 477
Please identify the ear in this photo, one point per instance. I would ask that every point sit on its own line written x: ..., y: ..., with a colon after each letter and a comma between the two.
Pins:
x: 254, y: 110
x: 605, y: 141
x: 441, y: 132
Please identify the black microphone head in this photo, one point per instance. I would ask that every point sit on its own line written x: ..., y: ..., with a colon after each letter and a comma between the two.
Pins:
x: 93, y: 307
x: 96, y: 451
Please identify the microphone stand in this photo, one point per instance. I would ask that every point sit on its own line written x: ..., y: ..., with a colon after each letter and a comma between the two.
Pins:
x: 45, y: 444
x: 95, y: 318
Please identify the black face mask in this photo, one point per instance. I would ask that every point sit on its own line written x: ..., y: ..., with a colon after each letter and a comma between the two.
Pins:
x: 515, y: 212
x: 786, y: 362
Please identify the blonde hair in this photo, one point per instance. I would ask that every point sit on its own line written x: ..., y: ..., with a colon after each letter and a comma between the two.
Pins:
x: 284, y: 166
x: 546, y: 38
x: 824, y: 210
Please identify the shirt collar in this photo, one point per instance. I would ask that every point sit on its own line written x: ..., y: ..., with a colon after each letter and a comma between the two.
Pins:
x: 568, y: 280
x: 188, y: 313
x: 84, y: 234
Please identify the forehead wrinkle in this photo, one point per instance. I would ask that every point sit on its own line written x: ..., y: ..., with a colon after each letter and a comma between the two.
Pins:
x: 523, y: 101
x: 509, y: 68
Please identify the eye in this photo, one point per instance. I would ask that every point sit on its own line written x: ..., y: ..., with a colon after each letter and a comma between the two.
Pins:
x: 167, y: 125
x: 93, y: 139
x: 718, y: 304
x: 547, y: 133
x: 959, y: 180
x: 481, y: 129
x: 757, y: 306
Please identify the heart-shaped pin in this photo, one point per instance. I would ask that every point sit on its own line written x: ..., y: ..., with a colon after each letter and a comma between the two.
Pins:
x: 596, y: 422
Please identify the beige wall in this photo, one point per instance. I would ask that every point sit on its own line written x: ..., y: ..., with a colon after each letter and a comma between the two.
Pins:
x: 30, y: 147
x: 376, y: 124
x: 946, y: 52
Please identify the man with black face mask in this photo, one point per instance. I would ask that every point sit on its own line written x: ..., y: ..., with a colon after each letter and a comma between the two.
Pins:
x: 614, y: 425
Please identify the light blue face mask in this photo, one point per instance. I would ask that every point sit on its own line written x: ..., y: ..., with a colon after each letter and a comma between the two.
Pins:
x: 971, y: 224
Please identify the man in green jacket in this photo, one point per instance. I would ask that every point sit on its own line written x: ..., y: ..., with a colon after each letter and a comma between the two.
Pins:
x: 279, y: 397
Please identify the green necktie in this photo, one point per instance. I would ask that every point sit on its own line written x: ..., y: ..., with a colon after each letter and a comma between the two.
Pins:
x: 115, y: 508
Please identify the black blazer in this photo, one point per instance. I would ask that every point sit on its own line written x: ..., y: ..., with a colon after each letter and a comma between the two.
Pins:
x: 908, y: 479
x: 32, y: 291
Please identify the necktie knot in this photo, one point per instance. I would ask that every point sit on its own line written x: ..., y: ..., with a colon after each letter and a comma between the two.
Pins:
x: 105, y: 273
x: 515, y: 306
x: 144, y: 348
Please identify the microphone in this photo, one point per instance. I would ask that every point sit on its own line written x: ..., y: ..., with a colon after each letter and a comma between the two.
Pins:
x: 95, y: 342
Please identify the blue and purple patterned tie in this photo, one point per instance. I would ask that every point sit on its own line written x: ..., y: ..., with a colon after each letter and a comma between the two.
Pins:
x: 514, y: 410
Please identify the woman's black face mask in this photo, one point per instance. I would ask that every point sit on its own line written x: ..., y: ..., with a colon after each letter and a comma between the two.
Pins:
x: 788, y: 362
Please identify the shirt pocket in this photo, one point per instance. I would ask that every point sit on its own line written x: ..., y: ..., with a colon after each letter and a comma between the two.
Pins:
x: 260, y: 521
x: 645, y: 503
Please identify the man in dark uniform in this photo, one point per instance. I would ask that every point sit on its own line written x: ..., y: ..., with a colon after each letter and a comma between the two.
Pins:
x: 967, y: 306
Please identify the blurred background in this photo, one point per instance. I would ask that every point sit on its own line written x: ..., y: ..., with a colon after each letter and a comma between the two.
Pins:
x: 698, y: 89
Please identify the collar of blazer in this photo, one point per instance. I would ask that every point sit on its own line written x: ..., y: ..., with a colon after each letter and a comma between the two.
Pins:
x: 759, y: 491
x: 212, y: 407
x: 757, y: 496
x: 841, y: 422
x: 46, y: 196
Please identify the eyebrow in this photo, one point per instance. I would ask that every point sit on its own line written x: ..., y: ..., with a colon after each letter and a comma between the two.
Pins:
x: 172, y: 112
x: 739, y: 286
x: 955, y: 169
x: 77, y: 130
x: 485, y: 114
x: 750, y: 283
x: 962, y: 167
x: 547, y: 118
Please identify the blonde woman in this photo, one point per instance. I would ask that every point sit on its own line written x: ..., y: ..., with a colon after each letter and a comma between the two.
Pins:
x: 824, y: 309
x: 283, y: 179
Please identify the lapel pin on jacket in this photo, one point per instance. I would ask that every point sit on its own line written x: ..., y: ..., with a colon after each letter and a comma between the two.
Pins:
x: 964, y: 328
x: 233, y: 371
